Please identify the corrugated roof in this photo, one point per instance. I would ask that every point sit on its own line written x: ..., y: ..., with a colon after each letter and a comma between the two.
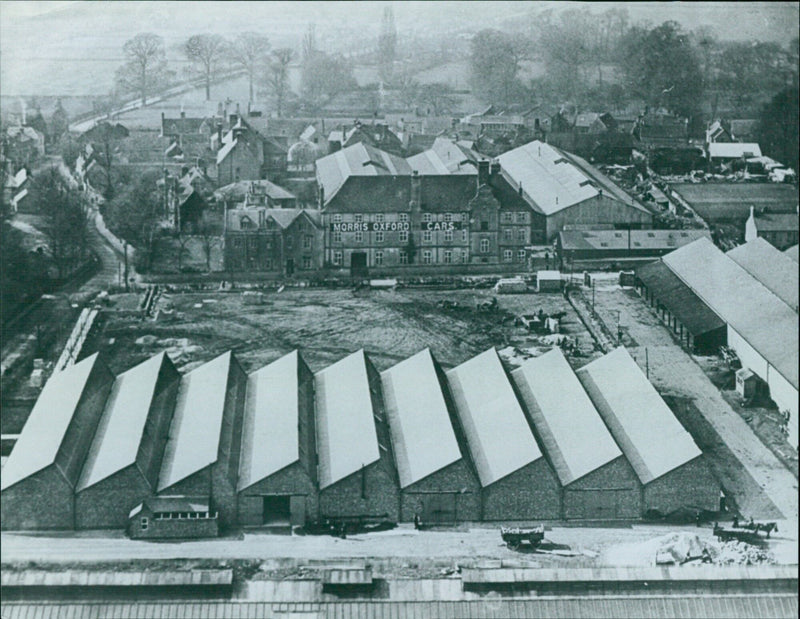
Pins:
x: 687, y: 606
x: 47, y: 424
x: 270, y: 437
x: 760, y: 317
x: 733, y: 150
x: 499, y: 437
x: 792, y: 252
x: 422, y: 435
x: 679, y: 299
x: 197, y: 422
x: 445, y: 157
x: 570, y: 427
x: 239, y: 189
x: 777, y: 222
x: 606, y: 240
x: 650, y: 435
x: 119, y: 433
x: 346, y: 436
x: 357, y: 160
x: 778, y: 272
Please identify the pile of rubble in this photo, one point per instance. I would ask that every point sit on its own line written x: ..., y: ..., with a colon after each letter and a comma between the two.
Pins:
x: 740, y: 553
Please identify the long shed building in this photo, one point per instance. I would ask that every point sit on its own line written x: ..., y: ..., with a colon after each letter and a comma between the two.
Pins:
x: 597, y: 480
x: 278, y: 461
x: 517, y: 482
x: 437, y: 481
x: 776, y: 271
x: 762, y: 329
x: 40, y: 475
x: 670, y: 466
x: 355, y: 470
x: 201, y: 457
x: 124, y: 459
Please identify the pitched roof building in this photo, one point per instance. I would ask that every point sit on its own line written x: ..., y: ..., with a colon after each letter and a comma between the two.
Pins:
x: 776, y: 271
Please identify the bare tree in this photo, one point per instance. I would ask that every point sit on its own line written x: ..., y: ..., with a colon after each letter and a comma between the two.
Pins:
x: 145, y: 67
x: 206, y: 53
x: 249, y: 51
x: 208, y: 235
x: 310, y: 43
x: 183, y: 241
x: 277, y: 77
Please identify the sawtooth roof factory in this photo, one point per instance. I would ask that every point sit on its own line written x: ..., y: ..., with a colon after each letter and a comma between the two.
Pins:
x: 166, y: 454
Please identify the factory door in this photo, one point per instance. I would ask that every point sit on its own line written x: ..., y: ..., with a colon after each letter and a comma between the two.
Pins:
x: 439, y: 509
x: 358, y: 264
x: 277, y: 509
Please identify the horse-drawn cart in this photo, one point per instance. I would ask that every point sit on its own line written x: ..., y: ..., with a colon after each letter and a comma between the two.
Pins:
x: 516, y: 538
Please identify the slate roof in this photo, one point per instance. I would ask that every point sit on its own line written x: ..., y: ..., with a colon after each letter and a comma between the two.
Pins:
x: 347, y: 438
x: 239, y: 189
x: 650, y: 435
x: 720, y: 201
x: 759, y: 316
x: 571, y: 429
x: 119, y: 434
x: 270, y: 435
x: 422, y: 435
x: 679, y: 299
x: 499, y: 437
x: 607, y: 240
x: 552, y: 180
x: 284, y: 217
x: 445, y: 157
x: 194, y: 435
x: 770, y: 266
x: 777, y: 222
x: 357, y: 160
x: 44, y: 431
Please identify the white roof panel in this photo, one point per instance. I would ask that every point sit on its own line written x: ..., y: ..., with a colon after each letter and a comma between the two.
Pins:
x: 422, y: 435
x: 499, y: 437
x: 774, y: 269
x: 571, y: 429
x: 270, y: 437
x: 768, y: 324
x: 47, y: 424
x: 733, y: 150
x: 119, y: 433
x: 197, y: 422
x: 346, y: 436
x: 651, y: 437
x: 792, y: 252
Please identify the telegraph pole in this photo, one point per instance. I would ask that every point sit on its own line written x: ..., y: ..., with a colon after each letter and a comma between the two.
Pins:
x: 125, y: 247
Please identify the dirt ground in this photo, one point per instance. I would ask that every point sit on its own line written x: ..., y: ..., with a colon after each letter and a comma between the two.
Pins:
x: 325, y: 325
x: 759, y: 483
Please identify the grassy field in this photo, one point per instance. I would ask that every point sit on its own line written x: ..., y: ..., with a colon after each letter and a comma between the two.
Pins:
x: 325, y: 325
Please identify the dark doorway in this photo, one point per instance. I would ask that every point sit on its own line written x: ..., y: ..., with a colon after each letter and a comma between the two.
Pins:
x: 358, y: 264
x: 439, y: 509
x: 277, y: 510
x: 289, y: 267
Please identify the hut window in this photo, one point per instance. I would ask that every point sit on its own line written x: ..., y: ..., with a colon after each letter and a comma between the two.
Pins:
x: 144, y: 523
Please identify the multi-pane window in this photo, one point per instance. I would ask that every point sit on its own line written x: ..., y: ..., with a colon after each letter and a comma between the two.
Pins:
x: 464, y: 256
x: 379, y: 236
x: 448, y: 256
x: 522, y: 217
x: 358, y: 218
x: 426, y: 236
x: 378, y: 258
x: 484, y: 246
x: 521, y: 256
x: 337, y: 219
x: 507, y: 234
x: 307, y: 240
x: 507, y: 218
x: 448, y: 235
x: 448, y: 217
x: 404, y: 217
x: 464, y: 236
x: 306, y: 262
x: 521, y: 236
x: 379, y: 217
x: 403, y: 257
x: 337, y: 236
x: 144, y: 523
x: 359, y: 236
x: 426, y: 257
x: 404, y: 236
x: 426, y: 217
x: 337, y: 258
x: 508, y: 255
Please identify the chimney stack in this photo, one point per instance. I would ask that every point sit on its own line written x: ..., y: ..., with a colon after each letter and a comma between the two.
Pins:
x: 483, y: 172
x: 416, y: 189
